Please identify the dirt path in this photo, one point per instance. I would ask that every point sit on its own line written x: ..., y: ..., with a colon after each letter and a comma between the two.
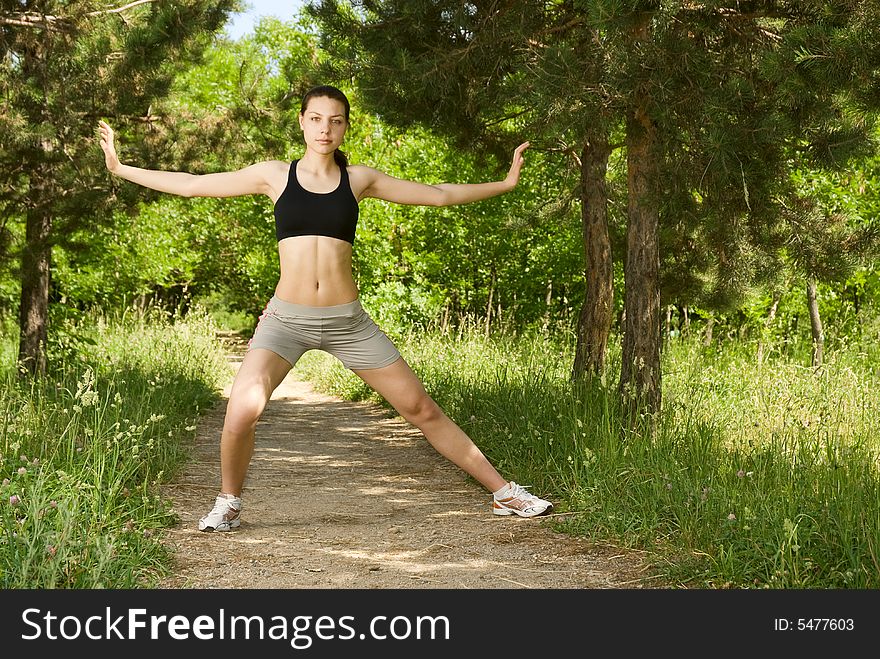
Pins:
x: 340, y: 495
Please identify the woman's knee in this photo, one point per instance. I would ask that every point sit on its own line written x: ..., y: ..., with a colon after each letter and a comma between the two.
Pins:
x: 246, y: 404
x: 421, y: 410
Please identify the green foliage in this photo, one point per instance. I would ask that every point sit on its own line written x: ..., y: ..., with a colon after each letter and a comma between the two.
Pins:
x: 83, y: 451
x: 64, y: 65
x: 413, y: 265
x: 739, y: 99
x: 56, y: 82
x: 418, y: 265
x: 753, y: 476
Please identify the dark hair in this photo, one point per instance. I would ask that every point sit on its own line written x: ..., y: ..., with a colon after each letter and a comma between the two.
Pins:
x: 328, y: 91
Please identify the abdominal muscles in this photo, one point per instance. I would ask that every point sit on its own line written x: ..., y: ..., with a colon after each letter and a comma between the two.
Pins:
x: 315, y: 271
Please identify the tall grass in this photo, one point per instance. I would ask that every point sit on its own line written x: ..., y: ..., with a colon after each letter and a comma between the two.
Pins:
x: 82, y: 450
x: 755, y: 476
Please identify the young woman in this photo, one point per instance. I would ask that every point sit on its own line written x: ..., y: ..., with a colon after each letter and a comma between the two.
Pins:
x: 315, y: 305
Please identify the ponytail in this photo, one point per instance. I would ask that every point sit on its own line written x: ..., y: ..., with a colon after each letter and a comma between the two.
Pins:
x: 340, y: 158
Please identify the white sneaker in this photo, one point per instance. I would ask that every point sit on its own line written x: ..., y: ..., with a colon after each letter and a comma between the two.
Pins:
x: 225, y: 515
x: 519, y: 501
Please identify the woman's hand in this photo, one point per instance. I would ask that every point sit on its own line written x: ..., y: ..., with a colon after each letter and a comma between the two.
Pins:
x: 518, y: 160
x: 110, y: 157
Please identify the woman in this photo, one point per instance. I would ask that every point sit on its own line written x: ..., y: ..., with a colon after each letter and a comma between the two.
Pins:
x: 315, y: 305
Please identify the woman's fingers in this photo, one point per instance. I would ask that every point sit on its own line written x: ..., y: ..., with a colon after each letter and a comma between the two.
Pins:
x: 106, y: 141
x: 518, y: 161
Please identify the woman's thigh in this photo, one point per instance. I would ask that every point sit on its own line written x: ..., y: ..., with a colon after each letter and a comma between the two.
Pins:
x: 401, y: 387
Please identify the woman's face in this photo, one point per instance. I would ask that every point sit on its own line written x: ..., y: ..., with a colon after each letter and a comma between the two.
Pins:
x: 323, y: 124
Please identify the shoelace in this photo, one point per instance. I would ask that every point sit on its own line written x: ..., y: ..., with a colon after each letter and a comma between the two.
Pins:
x: 223, y: 507
x: 519, y: 497
x: 520, y: 492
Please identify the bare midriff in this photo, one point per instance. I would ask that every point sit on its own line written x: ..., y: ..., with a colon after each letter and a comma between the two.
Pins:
x: 315, y: 271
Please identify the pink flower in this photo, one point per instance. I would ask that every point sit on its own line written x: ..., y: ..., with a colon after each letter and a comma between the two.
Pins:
x: 740, y: 474
x: 53, y: 504
x: 51, y: 550
x: 731, y: 517
x: 22, y: 471
x: 14, y: 500
x: 5, y: 482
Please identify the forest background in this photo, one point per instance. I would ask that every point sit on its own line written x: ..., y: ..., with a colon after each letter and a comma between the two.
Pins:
x: 723, y: 158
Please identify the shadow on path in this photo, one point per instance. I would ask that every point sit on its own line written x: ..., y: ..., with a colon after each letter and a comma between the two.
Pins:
x: 340, y: 495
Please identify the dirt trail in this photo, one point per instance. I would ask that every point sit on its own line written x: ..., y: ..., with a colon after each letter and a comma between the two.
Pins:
x: 340, y: 495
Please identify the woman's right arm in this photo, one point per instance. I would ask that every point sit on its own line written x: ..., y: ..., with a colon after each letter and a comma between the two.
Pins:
x: 253, y: 179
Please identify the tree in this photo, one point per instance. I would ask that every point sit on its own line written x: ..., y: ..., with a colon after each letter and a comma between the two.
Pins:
x: 460, y: 69
x: 221, y: 113
x: 67, y: 63
x: 712, y: 100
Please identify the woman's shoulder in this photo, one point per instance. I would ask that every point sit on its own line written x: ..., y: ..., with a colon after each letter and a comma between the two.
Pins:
x: 271, y: 175
x: 267, y: 166
x: 360, y: 168
x: 360, y: 178
x: 362, y: 172
x: 276, y: 164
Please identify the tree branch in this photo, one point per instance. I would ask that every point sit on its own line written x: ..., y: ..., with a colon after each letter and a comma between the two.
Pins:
x: 119, y: 10
x: 34, y: 20
x: 59, y: 23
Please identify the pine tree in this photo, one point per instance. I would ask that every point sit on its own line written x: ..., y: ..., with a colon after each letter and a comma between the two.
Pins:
x: 713, y: 100
x: 462, y: 70
x: 66, y: 64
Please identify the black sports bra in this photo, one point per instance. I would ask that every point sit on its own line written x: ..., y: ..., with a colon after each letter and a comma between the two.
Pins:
x: 299, y: 212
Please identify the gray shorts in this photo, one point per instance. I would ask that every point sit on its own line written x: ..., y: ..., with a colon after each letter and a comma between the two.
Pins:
x: 343, y: 330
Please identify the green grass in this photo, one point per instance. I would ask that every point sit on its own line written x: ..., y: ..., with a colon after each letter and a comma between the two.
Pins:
x: 83, y: 450
x: 753, y: 476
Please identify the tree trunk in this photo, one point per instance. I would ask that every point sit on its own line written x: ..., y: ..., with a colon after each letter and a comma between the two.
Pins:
x: 489, y: 304
x: 594, y: 322
x: 640, y: 365
x: 771, y: 316
x: 34, y: 307
x: 815, y: 324
x: 547, y: 300
x: 667, y: 328
x: 707, y: 335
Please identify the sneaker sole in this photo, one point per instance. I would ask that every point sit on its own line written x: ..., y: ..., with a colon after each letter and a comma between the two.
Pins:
x: 234, y: 524
x: 513, y: 511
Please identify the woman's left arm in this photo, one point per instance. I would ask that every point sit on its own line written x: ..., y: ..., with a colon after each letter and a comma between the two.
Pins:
x: 382, y: 186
